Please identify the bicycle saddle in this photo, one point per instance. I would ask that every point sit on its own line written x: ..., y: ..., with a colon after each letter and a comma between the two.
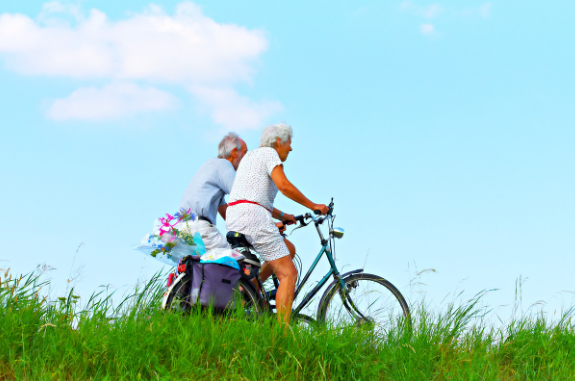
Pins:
x: 239, y: 242
x: 236, y: 239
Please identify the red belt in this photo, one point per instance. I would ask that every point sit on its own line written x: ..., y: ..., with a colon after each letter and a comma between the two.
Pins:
x: 247, y: 202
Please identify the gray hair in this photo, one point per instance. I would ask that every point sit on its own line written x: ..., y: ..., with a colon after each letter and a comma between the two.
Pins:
x: 270, y: 134
x: 227, y: 145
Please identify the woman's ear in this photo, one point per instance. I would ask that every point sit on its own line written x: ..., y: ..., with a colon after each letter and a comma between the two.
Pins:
x: 278, y: 142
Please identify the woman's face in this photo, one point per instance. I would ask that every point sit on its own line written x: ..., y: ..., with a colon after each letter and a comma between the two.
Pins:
x: 283, y: 149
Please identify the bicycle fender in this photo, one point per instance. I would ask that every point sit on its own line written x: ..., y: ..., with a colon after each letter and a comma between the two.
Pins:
x: 169, y: 290
x: 332, y: 285
x: 351, y: 272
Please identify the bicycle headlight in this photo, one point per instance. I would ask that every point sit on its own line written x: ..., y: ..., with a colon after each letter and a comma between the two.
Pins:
x: 336, y: 232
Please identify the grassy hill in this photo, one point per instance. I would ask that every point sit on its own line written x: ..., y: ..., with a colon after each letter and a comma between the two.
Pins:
x: 58, y: 340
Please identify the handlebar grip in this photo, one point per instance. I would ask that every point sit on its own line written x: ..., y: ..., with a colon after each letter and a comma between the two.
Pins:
x: 299, y: 218
x: 317, y: 211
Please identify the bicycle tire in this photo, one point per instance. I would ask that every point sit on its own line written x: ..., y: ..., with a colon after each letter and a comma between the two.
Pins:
x: 304, y: 321
x: 253, y: 304
x: 385, y: 309
x: 178, y: 298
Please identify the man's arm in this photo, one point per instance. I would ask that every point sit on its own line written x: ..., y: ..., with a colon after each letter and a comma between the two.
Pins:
x: 226, y: 177
x: 222, y: 210
x: 226, y: 181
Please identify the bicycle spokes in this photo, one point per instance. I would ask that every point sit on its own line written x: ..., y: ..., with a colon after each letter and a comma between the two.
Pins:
x: 350, y: 306
x: 366, y: 301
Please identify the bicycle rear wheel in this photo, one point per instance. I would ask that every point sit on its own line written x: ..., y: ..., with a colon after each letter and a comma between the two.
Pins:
x: 252, y: 302
x: 371, y: 301
x: 179, y: 298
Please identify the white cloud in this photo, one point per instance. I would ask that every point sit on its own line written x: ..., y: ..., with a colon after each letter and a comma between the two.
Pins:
x: 112, y: 101
x: 429, y: 11
x: 427, y: 29
x: 152, y: 45
x: 234, y: 111
x: 67, y: 12
x: 485, y: 9
x: 434, y: 10
x: 186, y: 48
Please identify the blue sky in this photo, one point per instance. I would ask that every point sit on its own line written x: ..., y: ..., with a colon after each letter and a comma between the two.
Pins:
x: 444, y: 131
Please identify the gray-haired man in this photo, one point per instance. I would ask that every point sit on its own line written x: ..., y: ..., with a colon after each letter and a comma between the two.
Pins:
x: 205, y: 192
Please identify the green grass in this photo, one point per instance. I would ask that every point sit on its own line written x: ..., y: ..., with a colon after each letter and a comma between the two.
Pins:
x: 59, y: 340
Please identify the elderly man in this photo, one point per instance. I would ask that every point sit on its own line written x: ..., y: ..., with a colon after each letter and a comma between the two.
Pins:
x: 251, y: 210
x: 205, y: 192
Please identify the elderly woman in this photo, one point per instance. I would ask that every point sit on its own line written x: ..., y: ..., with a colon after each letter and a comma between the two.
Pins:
x: 250, y: 210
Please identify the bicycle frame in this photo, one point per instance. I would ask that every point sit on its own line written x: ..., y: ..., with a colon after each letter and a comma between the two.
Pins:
x: 350, y: 305
x: 332, y: 272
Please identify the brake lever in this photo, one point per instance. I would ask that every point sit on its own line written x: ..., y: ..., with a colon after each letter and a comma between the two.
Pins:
x: 302, y: 223
x: 294, y: 229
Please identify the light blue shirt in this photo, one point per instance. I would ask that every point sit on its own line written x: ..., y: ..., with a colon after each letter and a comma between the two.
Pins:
x: 206, y: 191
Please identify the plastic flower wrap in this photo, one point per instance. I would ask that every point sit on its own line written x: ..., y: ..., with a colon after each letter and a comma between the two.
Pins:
x: 170, y: 240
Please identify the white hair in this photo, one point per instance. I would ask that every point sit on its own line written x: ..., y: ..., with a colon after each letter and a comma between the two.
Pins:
x: 270, y: 134
x: 227, y: 145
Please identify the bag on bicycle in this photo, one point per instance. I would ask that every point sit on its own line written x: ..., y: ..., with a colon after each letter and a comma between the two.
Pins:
x: 214, y: 285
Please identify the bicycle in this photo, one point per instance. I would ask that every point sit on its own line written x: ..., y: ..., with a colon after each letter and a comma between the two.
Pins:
x: 364, y: 299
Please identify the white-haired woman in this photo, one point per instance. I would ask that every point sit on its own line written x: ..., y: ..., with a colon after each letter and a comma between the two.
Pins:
x: 251, y: 212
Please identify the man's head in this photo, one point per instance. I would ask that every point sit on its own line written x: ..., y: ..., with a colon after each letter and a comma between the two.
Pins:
x: 278, y: 136
x: 232, y: 148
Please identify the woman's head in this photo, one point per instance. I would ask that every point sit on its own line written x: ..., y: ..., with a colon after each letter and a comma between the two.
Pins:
x: 278, y: 136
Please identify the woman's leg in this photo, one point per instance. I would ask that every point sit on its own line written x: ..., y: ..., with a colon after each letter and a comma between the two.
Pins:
x: 287, y: 274
x: 267, y: 270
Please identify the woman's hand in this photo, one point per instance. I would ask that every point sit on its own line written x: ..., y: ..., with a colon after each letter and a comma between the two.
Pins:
x: 323, y: 209
x: 281, y: 227
x: 289, y: 219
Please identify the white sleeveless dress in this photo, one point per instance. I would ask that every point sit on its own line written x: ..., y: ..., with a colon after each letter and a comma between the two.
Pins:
x: 254, y: 183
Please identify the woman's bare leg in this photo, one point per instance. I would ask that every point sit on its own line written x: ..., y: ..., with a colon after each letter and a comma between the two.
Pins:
x: 287, y: 274
x: 267, y: 270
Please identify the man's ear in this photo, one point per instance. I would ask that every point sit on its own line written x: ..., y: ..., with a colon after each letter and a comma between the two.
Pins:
x: 234, y: 154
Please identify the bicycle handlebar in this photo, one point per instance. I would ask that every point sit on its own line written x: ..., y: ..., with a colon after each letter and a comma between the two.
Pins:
x: 318, y: 220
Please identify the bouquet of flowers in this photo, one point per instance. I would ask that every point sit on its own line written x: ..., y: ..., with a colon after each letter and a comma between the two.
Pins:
x: 169, y: 241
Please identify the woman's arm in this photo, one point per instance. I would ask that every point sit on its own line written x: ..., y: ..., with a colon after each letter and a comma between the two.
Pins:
x: 290, y: 191
x: 285, y: 217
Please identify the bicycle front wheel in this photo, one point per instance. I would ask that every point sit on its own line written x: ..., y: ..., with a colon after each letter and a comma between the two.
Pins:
x: 370, y: 301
